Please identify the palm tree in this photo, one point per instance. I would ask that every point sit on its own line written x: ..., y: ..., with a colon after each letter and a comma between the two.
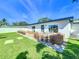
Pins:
x: 4, y: 21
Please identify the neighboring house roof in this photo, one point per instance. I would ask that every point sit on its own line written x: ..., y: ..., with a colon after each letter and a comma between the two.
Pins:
x: 76, y: 21
x: 67, y: 18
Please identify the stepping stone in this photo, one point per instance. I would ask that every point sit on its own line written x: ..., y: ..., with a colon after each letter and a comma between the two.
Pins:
x: 59, y: 48
x: 8, y: 42
x: 19, y: 38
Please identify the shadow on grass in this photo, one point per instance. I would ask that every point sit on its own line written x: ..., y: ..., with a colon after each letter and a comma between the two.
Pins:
x: 46, y: 55
x: 22, y: 55
x: 71, y: 52
x: 39, y: 47
x: 2, y: 36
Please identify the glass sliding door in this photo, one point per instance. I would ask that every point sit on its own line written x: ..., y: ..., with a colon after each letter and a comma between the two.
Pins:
x: 53, y: 28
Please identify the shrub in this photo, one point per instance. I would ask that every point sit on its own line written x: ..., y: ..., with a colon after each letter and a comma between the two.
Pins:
x: 56, y: 38
x: 46, y: 38
x: 36, y: 35
x: 22, y: 32
x: 30, y: 33
x: 41, y: 37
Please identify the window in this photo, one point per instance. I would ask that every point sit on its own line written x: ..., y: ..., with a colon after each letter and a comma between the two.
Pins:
x: 33, y: 28
x: 53, y: 28
x: 50, y: 28
x: 42, y: 28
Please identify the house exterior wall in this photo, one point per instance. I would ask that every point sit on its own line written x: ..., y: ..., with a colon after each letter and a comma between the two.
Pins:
x: 63, y: 27
x: 75, y: 26
x: 66, y: 31
x: 75, y: 30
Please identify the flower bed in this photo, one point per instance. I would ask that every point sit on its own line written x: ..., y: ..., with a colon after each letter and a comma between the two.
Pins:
x: 54, y: 40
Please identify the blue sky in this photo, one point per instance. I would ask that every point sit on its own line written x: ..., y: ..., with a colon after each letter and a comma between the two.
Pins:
x: 32, y: 10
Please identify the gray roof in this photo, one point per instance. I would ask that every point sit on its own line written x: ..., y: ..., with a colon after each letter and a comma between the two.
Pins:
x: 66, y: 18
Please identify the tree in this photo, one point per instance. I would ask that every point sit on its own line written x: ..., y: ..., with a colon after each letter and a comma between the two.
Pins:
x: 22, y: 23
x: 3, y: 22
x: 15, y: 24
x: 43, y: 19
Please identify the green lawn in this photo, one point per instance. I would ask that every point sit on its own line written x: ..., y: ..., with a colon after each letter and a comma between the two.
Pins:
x: 35, y: 50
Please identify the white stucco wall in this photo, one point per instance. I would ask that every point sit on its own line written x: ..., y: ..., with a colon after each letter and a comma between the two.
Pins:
x: 75, y: 31
x: 66, y: 30
x: 6, y: 30
x: 75, y: 26
x: 63, y: 27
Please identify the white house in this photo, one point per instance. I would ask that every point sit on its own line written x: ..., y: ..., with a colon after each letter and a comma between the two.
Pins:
x: 75, y: 29
x: 61, y: 25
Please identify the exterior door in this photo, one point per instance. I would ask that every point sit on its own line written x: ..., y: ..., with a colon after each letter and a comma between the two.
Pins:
x: 42, y: 28
x: 33, y: 28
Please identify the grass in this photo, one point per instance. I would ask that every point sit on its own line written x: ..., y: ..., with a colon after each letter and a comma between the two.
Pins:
x: 29, y: 49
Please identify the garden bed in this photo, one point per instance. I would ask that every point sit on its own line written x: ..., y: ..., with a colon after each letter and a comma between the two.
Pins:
x: 33, y: 49
x: 55, y: 41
